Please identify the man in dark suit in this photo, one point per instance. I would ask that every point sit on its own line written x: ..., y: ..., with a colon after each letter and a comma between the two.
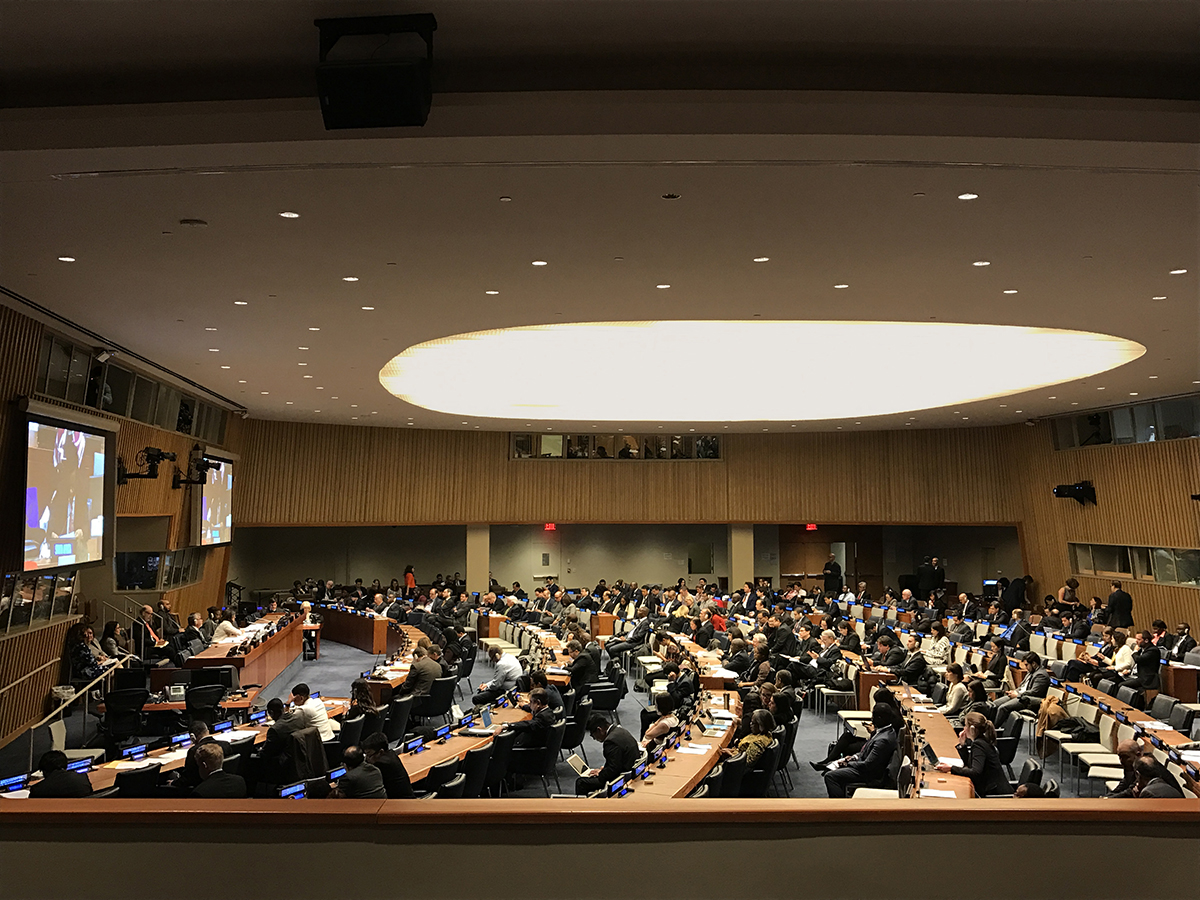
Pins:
x: 190, y: 776
x: 1146, y: 663
x: 57, y: 781
x: 705, y: 630
x: 890, y: 655
x: 395, y: 777
x: 621, y: 751
x: 632, y: 639
x: 1120, y: 607
x: 1029, y: 694
x: 533, y: 731
x: 913, y: 665
x: 926, y: 578
x: 862, y: 595
x: 215, y: 782
x: 421, y: 675
x: 582, y: 669
x: 362, y: 780
x: 1014, y: 594
x: 870, y: 765
x: 195, y: 630
x: 737, y: 658
x: 833, y: 576
x: 1154, y: 781
x: 1183, y: 644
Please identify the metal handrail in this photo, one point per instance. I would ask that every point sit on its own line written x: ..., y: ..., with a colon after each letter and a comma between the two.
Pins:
x: 54, y: 662
x: 81, y: 692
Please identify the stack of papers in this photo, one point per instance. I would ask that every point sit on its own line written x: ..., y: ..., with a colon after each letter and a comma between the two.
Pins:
x: 16, y: 795
x: 172, y: 756
x: 930, y: 792
x: 950, y: 760
x: 722, y: 714
x: 234, y: 735
x: 134, y: 763
x: 692, y: 750
x: 1155, y: 726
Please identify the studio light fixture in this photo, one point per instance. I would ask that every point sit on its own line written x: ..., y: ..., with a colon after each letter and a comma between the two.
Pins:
x: 773, y: 390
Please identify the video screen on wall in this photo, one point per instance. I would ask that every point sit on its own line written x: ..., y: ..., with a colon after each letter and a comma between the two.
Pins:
x: 216, y: 503
x: 64, y: 496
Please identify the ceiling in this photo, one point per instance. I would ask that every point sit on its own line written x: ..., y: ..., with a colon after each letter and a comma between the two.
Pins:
x: 857, y: 190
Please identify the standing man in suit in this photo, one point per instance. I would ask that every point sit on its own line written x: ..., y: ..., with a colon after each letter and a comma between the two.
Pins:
x: 870, y: 765
x: 1120, y: 607
x: 833, y: 576
x: 215, y: 782
x: 1030, y: 693
x: 621, y: 751
x: 1014, y: 595
x: 926, y: 577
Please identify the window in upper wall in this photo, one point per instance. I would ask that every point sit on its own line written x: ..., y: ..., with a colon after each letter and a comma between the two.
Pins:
x: 145, y: 393
x: 118, y: 388
x: 1166, y: 420
x: 524, y: 445
x: 1162, y: 565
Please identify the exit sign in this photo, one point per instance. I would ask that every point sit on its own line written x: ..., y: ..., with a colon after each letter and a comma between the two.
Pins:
x: 550, y: 526
x: 810, y: 527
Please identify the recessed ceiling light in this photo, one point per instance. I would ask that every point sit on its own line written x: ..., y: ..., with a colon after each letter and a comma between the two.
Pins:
x: 412, y: 423
x: 367, y: 308
x: 1158, y: 298
x: 264, y: 393
x: 506, y: 199
x: 841, y: 287
x: 1004, y: 406
x: 662, y: 287
x: 1152, y: 377
x: 354, y: 406
x: 1099, y: 388
x: 539, y: 262
x: 1049, y: 357
x: 316, y: 410
x: 350, y: 278
x: 1133, y: 393
x: 314, y: 329
x: 466, y: 423
x: 302, y: 364
x: 290, y: 215
x: 1179, y: 271
x: 301, y: 348
x: 214, y: 350
x: 1018, y: 410
x: 762, y: 259
x: 66, y: 259
x: 210, y: 329
x: 354, y: 417
x: 1052, y: 397
x: 670, y: 196
x: 492, y: 293
x: 1010, y: 291
x: 307, y: 376
x: 981, y: 262
x: 965, y: 418
x: 968, y: 196
x: 1074, y: 402
x: 224, y: 367
x: 242, y: 381
x: 764, y: 429
x: 320, y: 388
x: 289, y: 402
x: 239, y: 302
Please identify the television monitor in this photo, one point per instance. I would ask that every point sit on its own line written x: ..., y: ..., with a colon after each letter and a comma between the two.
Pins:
x: 214, y: 503
x: 69, y: 492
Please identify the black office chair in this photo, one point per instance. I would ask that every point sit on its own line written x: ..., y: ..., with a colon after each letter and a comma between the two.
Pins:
x: 757, y: 780
x: 243, y: 747
x: 576, y: 730
x: 232, y: 764
x: 1031, y: 773
x: 466, y: 666
x: 416, y: 617
x: 1051, y: 790
x: 734, y: 771
x: 937, y: 694
x: 1135, y: 697
x: 714, y: 779
x: 568, y: 699
x: 333, y: 752
x: 452, y: 789
x: 1107, y: 686
x: 316, y: 788
x: 502, y: 749
x: 204, y: 703
x: 123, y: 714
x: 352, y: 732
x: 1181, y: 719
x: 438, y: 701
x: 789, y: 747
x: 1006, y: 747
x: 1161, y: 706
x: 606, y: 695
x: 397, y: 719
x: 475, y: 768
x: 438, y: 775
x: 785, y: 779
x: 374, y: 720
x: 540, y: 761
x: 138, y: 783
x: 701, y: 792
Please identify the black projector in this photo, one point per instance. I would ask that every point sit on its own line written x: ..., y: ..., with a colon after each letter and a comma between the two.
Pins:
x: 372, y: 92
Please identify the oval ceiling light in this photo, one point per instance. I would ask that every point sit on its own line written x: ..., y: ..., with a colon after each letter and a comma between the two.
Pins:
x: 774, y: 390
x: 981, y: 262
x: 968, y: 196
x: 350, y: 278
x: 290, y: 215
x: 66, y: 259
x: 1179, y: 271
x: 841, y: 287
x: 762, y: 259
x: 538, y: 262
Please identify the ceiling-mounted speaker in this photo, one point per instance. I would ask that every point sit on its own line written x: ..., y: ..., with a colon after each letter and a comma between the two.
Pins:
x: 376, y: 83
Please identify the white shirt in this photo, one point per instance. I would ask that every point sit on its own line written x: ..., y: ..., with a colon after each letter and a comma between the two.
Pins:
x: 1123, y: 661
x: 315, y: 716
x: 938, y: 653
x: 508, y: 670
x: 226, y: 630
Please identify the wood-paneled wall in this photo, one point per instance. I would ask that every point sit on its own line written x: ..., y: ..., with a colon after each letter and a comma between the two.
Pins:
x: 208, y: 591
x: 303, y: 474
x: 1144, y: 499
x: 20, y: 654
x: 20, y: 338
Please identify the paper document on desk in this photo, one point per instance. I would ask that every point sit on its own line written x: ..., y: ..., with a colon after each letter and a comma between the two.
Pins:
x: 134, y: 763
x: 234, y: 735
x: 722, y: 673
x: 722, y: 714
x: 647, y: 660
x: 950, y: 760
x: 16, y: 795
x: 171, y: 756
x: 921, y: 708
x: 556, y: 670
x: 1155, y: 726
x: 931, y: 792
x: 691, y: 750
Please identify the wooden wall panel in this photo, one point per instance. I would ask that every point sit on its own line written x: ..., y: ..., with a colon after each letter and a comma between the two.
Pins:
x: 20, y: 338
x: 20, y: 654
x: 1143, y: 493
x: 209, y: 591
